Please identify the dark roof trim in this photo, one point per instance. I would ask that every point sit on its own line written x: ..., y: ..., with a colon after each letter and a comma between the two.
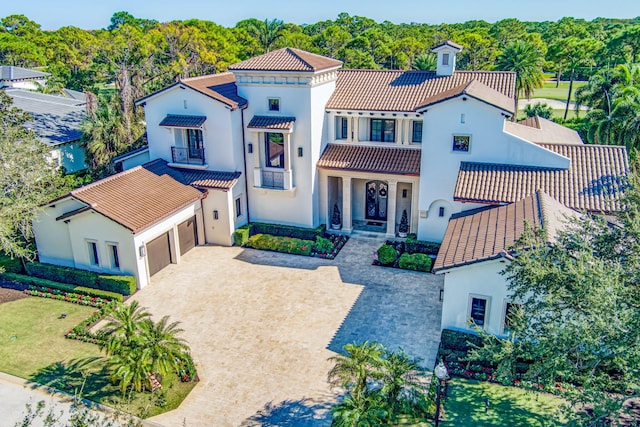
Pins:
x: 73, y: 213
x: 175, y: 120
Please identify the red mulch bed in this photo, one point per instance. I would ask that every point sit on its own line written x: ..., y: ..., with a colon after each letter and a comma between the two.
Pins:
x: 7, y: 295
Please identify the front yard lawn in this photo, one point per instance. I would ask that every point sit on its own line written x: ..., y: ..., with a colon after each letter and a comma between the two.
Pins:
x: 508, y: 406
x: 550, y: 91
x: 40, y: 352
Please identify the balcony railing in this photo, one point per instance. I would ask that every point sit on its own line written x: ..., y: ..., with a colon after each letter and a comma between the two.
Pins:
x: 272, y: 179
x: 187, y: 156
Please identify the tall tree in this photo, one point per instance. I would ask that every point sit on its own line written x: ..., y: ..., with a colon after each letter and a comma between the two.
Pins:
x: 526, y: 60
x: 267, y: 32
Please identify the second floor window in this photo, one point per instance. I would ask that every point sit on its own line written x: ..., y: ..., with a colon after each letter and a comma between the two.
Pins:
x: 274, y: 104
x: 195, y: 144
x: 416, y: 132
x: 274, y: 150
x: 341, y: 128
x: 383, y: 130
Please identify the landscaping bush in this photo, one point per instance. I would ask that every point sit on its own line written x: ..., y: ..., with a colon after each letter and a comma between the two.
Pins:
x: 417, y: 262
x: 286, y: 230
x: 44, y: 284
x: 387, y: 254
x: 458, y: 340
x: 10, y: 265
x: 288, y: 245
x: 125, y: 285
x: 323, y: 245
x: 241, y: 235
x: 413, y: 246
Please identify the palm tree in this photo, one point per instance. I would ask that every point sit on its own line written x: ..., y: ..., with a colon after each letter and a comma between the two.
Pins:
x: 367, y: 412
x: 130, y: 368
x: 402, y: 389
x: 126, y: 324
x: 267, y: 32
x: 425, y: 62
x: 526, y: 60
x: 162, y: 347
x: 354, y: 370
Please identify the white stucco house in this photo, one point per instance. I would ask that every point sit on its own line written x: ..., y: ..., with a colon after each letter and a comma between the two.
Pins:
x: 22, y: 78
x: 286, y: 136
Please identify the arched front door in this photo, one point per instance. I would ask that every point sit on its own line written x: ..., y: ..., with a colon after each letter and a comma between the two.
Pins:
x: 376, y: 200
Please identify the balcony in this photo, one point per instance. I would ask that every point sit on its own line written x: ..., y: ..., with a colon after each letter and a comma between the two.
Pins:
x: 272, y: 179
x: 186, y: 156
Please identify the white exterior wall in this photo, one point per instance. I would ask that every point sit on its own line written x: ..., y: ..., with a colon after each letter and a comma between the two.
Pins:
x: 70, y: 156
x: 481, y: 280
x: 135, y: 160
x: 218, y: 231
x: 489, y: 143
x: 221, y: 131
x: 52, y: 237
x: 300, y: 205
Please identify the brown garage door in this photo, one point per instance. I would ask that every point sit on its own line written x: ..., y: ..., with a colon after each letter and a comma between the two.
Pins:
x: 158, y: 253
x: 187, y: 235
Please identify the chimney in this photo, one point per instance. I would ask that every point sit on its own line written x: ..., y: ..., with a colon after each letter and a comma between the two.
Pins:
x: 446, y: 57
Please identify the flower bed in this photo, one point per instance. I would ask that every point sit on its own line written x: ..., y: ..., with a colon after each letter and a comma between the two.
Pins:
x: 397, y: 255
x: 337, y: 242
x: 324, y: 247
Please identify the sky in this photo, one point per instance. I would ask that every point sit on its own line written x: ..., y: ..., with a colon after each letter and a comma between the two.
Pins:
x: 95, y: 14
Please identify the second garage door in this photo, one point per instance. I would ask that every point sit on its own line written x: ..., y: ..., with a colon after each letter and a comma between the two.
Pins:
x: 187, y: 235
x: 158, y: 253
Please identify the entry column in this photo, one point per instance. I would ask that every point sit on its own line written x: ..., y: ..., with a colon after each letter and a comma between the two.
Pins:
x: 346, y: 204
x: 391, y: 209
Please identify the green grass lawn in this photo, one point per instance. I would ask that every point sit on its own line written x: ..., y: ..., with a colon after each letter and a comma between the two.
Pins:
x: 509, y: 406
x: 560, y: 93
x: 559, y: 114
x: 41, y: 353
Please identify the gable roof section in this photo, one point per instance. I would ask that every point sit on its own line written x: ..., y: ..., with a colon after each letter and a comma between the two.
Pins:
x: 221, y: 87
x: 449, y: 43
x: 56, y: 120
x: 491, y: 233
x: 12, y: 73
x: 388, y: 160
x: 594, y: 182
x: 542, y: 131
x: 287, y: 59
x: 474, y: 89
x: 271, y: 122
x: 137, y: 198
x: 196, y: 178
x: 396, y: 90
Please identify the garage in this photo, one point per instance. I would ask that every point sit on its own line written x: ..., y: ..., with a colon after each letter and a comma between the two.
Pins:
x: 158, y: 253
x: 187, y: 235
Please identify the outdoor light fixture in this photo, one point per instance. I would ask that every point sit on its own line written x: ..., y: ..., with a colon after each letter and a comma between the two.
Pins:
x: 299, y: 151
x: 441, y: 373
x: 404, y: 193
x: 250, y: 148
x: 215, y: 214
x: 142, y: 250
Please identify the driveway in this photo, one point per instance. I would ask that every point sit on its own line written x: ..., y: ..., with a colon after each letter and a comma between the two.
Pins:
x: 261, y: 326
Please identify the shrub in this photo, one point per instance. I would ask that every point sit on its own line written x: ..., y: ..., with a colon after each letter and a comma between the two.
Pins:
x: 417, y: 262
x: 288, y: 245
x: 126, y: 285
x: 10, y: 265
x: 413, y: 245
x: 286, y: 230
x: 387, y: 254
x: 458, y: 340
x: 323, y: 246
x: 241, y: 235
x: 44, y: 284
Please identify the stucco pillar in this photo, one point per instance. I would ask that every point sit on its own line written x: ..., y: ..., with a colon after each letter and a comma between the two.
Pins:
x: 356, y: 130
x: 323, y: 183
x: 349, y: 129
x: 346, y: 204
x: 391, y: 208
x: 287, y: 151
x: 332, y: 126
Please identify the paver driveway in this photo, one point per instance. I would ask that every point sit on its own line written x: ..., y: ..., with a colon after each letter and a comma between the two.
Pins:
x: 261, y: 326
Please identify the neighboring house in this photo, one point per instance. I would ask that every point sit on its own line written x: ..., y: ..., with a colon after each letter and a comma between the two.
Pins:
x: 56, y: 122
x: 22, y: 78
x: 286, y: 136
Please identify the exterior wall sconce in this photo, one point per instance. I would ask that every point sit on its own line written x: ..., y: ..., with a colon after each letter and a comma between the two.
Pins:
x: 441, y: 295
x: 462, y: 118
x: 142, y: 250
x: 250, y: 148
x: 215, y: 214
x: 441, y: 211
x: 299, y: 151
x: 404, y: 193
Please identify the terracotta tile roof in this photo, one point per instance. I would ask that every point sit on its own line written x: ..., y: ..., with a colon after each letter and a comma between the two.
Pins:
x: 221, y: 87
x: 594, y: 182
x: 194, y: 177
x: 396, y: 90
x: 174, y: 120
x: 137, y: 198
x: 539, y: 130
x: 272, y: 122
x: 490, y: 233
x: 474, y: 89
x: 287, y: 59
x: 391, y: 160
x: 448, y: 43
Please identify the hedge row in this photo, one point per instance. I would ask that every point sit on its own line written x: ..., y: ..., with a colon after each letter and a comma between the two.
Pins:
x: 125, y: 285
x: 417, y: 262
x: 44, y: 284
x: 286, y: 230
x: 413, y: 246
x: 241, y: 235
x: 10, y: 265
x: 288, y: 245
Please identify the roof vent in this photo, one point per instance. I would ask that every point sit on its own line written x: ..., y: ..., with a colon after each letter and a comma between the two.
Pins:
x: 446, y: 57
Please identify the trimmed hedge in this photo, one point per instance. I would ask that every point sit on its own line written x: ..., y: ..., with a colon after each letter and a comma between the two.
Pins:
x: 288, y: 245
x: 241, y: 235
x: 286, y: 230
x: 125, y: 285
x: 416, y: 262
x: 460, y: 341
x: 413, y: 246
x: 64, y: 287
x: 10, y: 265
x: 387, y: 254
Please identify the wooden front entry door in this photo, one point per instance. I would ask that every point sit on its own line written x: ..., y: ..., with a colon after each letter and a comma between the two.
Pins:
x: 376, y: 200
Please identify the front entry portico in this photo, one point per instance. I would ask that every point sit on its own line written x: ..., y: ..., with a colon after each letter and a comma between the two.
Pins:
x: 369, y: 202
